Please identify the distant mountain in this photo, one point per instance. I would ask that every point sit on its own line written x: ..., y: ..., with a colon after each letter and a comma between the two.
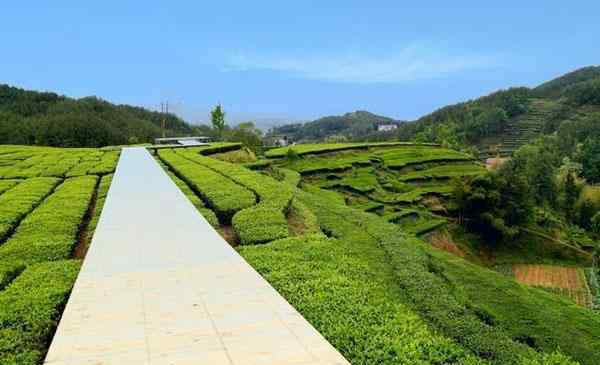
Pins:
x: 45, y: 118
x: 352, y: 125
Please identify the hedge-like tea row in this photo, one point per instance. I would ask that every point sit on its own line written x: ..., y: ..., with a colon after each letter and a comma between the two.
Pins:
x: 485, y: 312
x: 306, y: 149
x: 346, y: 290
x: 260, y: 224
x: 27, y: 162
x: 106, y: 164
x: 50, y: 231
x: 319, y: 164
x: 444, y: 172
x: 222, y: 194
x: 8, y: 271
x: 398, y: 158
x: 30, y: 309
x: 264, y: 222
x: 208, y: 214
x: 101, y: 194
x: 7, y: 184
x: 20, y: 200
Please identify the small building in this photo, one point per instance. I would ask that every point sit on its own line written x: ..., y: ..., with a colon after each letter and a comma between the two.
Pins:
x: 386, y: 127
x: 183, y: 141
x: 276, y: 140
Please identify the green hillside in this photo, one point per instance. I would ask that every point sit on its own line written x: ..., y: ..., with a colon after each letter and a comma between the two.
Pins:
x: 499, y: 123
x: 348, y: 126
x: 49, y: 119
x: 341, y: 233
x: 556, y: 88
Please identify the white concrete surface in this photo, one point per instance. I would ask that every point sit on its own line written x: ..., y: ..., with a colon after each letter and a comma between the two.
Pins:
x: 160, y: 286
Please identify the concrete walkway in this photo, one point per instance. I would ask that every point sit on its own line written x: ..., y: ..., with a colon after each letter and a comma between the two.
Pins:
x: 160, y: 286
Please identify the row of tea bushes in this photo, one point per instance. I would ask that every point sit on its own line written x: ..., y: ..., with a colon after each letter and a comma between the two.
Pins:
x: 50, y: 231
x: 208, y: 214
x: 462, y: 301
x: 398, y: 158
x: 30, y: 308
x: 263, y: 222
x: 223, y: 195
x: 46, y: 217
x: 28, y: 162
x: 17, y: 202
x: 7, y: 184
x: 319, y: 148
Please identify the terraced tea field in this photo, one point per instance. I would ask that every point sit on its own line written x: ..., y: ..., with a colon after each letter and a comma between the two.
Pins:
x: 404, y: 183
x: 50, y: 200
x: 522, y: 129
x: 338, y: 225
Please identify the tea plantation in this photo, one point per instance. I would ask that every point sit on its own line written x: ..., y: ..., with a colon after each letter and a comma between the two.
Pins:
x: 336, y: 230
x: 50, y: 200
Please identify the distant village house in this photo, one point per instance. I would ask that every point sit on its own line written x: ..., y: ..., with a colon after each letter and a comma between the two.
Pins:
x: 386, y: 127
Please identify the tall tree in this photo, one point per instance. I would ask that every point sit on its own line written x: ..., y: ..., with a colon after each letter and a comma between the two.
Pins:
x: 217, y: 116
x: 571, y: 196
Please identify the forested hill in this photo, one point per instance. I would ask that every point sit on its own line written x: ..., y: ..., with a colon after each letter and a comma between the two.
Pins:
x: 501, y: 122
x: 348, y: 126
x: 44, y: 118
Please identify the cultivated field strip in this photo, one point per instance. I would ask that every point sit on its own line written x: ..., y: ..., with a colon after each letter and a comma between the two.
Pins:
x: 223, y: 195
x: 50, y: 232
x: 320, y: 148
x: 22, y: 199
x: 7, y: 184
x: 42, y: 219
x: 567, y: 281
x: 265, y: 221
x: 207, y: 213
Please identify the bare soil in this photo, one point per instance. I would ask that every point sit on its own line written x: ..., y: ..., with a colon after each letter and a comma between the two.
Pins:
x: 569, y: 281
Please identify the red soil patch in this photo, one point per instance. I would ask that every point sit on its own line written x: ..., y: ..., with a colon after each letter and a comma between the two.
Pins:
x: 569, y: 281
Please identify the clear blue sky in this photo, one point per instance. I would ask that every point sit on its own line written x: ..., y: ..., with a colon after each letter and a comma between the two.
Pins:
x: 293, y: 59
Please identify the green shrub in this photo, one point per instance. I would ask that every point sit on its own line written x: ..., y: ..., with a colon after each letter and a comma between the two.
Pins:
x: 7, y: 184
x: 101, y: 194
x: 208, y: 214
x: 306, y: 149
x: 260, y: 224
x: 50, y: 231
x: 487, y: 313
x: 346, y: 290
x: 30, y: 309
x: 19, y: 201
x: 222, y: 194
x: 265, y: 221
x: 398, y: 158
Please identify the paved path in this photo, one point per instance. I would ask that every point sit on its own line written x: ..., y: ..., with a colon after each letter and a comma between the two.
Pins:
x: 160, y: 286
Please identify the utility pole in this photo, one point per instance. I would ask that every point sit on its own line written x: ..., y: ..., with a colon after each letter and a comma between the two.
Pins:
x: 164, y: 110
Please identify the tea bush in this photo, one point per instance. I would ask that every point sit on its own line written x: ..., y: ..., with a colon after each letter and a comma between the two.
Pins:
x: 221, y: 193
x: 50, y: 231
x: 30, y: 309
x: 20, y: 200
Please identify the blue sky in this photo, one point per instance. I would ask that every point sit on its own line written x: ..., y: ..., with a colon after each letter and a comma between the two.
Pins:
x: 293, y: 59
